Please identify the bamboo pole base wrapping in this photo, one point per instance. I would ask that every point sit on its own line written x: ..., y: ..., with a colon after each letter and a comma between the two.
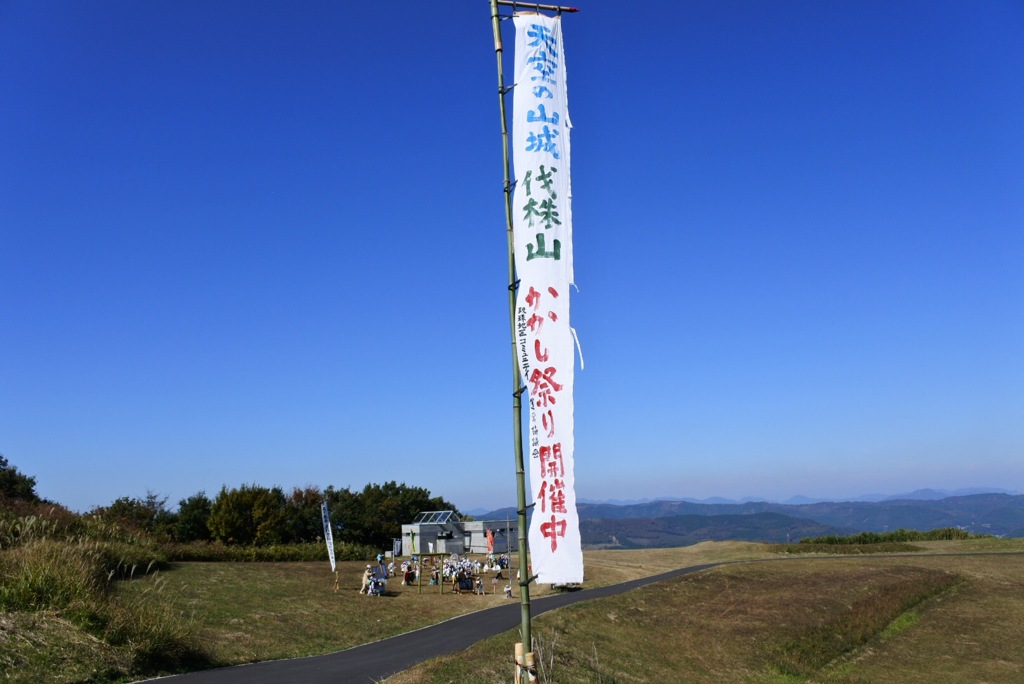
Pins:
x: 530, y: 667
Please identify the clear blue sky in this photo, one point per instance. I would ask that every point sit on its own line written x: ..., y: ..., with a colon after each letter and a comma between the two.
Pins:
x: 264, y: 243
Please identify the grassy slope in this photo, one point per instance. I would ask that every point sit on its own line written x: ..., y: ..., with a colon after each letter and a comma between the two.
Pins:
x: 975, y: 634
x: 850, y: 620
x: 246, y: 612
x: 729, y: 624
x: 261, y: 611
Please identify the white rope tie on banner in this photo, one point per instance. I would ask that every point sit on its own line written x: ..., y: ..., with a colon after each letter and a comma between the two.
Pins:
x: 579, y: 350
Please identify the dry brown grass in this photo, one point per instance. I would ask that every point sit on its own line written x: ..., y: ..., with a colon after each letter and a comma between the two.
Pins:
x: 973, y: 634
x: 249, y: 612
x: 736, y: 623
x: 262, y: 611
x: 43, y: 648
x: 807, y: 620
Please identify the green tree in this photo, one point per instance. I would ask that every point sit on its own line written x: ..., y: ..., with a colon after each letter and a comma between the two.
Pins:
x: 375, y: 516
x: 337, y: 504
x: 305, y: 521
x: 149, y: 515
x: 250, y: 514
x: 344, y: 508
x: 193, y: 516
x: 15, y: 485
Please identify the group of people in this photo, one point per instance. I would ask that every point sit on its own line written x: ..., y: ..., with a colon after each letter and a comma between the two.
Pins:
x: 465, y: 574
x: 454, y: 564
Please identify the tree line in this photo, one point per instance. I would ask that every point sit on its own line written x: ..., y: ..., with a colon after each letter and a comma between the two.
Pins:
x: 255, y: 515
x: 895, y: 536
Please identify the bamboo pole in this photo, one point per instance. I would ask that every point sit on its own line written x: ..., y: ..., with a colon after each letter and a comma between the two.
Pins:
x: 517, y: 385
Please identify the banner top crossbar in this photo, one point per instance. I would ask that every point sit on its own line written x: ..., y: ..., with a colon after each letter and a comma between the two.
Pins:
x: 533, y: 5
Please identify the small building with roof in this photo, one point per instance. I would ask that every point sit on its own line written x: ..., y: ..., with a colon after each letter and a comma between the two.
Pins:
x: 446, y: 532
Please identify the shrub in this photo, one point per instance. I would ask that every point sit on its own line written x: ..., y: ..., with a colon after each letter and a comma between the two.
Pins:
x: 248, y: 515
x: 73, y: 578
x: 845, y: 549
x: 900, y: 535
x: 313, y: 552
x: 149, y: 515
x: 25, y: 521
x: 50, y: 575
x: 193, y: 514
x: 16, y: 486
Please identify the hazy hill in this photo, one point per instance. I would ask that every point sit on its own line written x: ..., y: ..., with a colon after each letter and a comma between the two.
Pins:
x: 999, y: 514
x: 683, y: 530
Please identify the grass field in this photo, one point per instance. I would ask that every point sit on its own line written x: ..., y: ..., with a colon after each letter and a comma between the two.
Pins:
x: 248, y: 612
x: 927, y: 618
x: 851, y: 619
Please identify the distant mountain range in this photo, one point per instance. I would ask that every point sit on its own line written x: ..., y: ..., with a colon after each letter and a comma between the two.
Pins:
x: 663, y: 523
x: 919, y: 494
x: 683, y: 530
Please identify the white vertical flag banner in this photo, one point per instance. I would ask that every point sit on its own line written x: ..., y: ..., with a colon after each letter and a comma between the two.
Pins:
x: 328, y: 534
x: 542, y: 225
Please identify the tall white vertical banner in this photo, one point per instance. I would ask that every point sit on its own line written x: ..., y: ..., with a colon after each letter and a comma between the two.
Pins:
x: 328, y: 534
x: 542, y: 225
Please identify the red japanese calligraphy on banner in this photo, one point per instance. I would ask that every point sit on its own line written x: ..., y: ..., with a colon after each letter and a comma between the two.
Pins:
x: 542, y: 223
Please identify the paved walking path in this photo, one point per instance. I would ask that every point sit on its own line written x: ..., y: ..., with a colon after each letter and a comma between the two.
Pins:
x: 375, y: 661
